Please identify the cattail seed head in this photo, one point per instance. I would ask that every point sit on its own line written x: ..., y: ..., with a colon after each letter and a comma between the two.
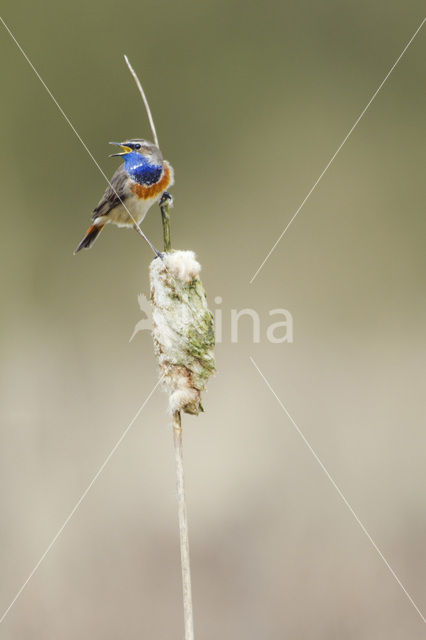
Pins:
x: 183, y: 329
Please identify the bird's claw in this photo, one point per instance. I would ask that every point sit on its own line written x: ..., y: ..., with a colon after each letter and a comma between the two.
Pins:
x: 166, y: 198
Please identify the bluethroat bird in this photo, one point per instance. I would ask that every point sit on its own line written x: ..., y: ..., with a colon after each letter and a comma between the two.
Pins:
x: 137, y: 184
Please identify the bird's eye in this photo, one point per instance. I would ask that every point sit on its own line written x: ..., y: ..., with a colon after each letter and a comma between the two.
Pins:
x: 136, y: 146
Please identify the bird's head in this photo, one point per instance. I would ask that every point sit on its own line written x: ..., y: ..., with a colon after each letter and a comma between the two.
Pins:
x: 142, y: 160
x: 139, y: 150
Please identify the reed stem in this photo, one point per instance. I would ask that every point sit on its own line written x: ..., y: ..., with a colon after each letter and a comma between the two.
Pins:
x: 183, y: 528
x: 165, y: 219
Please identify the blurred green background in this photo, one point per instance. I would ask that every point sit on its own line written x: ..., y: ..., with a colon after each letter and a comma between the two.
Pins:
x: 251, y: 99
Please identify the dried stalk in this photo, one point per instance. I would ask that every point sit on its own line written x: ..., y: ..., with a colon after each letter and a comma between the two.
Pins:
x: 180, y: 481
x: 188, y: 615
x: 183, y: 341
x: 144, y: 100
x: 165, y: 219
x: 183, y: 529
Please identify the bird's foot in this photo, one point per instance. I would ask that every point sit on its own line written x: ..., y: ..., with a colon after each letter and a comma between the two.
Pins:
x: 166, y: 198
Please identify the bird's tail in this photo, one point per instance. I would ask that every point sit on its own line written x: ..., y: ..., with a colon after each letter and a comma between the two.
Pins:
x: 91, y: 234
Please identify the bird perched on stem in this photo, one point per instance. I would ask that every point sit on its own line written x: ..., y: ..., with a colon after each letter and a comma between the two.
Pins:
x: 137, y: 184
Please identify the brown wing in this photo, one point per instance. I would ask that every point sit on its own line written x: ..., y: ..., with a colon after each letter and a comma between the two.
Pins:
x: 115, y: 190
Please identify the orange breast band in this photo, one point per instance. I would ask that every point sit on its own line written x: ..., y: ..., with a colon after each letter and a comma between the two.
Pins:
x: 147, y: 192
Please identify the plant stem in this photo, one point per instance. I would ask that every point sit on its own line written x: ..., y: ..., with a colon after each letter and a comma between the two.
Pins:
x: 183, y: 528
x: 180, y: 484
x: 165, y: 218
x: 177, y: 423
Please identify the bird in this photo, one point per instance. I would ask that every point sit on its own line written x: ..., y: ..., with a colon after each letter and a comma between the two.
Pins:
x: 143, y: 179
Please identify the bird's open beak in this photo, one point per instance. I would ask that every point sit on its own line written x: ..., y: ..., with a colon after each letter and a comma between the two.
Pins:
x: 123, y: 146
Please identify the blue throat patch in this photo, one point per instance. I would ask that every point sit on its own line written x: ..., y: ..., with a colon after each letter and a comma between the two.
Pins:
x: 141, y: 170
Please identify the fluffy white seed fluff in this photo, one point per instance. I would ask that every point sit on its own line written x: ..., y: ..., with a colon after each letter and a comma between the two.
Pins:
x: 183, y: 265
x: 183, y: 329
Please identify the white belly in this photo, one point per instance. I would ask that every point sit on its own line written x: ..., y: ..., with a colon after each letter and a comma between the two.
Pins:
x: 137, y: 207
